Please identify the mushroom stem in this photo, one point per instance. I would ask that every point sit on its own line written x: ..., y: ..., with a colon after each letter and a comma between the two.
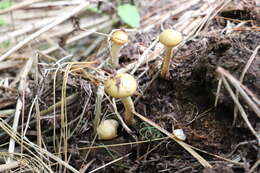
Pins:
x: 129, y: 109
x: 166, y: 62
x: 114, y: 59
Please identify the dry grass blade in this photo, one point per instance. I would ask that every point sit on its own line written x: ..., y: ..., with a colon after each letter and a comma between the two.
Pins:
x: 202, y: 161
x: 116, y: 160
x: 28, y: 144
x: 19, y: 105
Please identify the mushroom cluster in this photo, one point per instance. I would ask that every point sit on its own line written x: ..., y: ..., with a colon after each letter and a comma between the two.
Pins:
x: 123, y: 85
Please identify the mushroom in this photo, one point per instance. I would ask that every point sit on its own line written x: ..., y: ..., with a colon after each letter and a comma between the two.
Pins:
x: 123, y: 86
x: 118, y: 38
x: 179, y: 134
x: 107, y: 129
x: 169, y: 38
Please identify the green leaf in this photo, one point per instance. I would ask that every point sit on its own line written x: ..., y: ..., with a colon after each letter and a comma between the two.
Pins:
x: 5, y: 4
x: 2, y: 22
x: 94, y: 9
x: 129, y: 14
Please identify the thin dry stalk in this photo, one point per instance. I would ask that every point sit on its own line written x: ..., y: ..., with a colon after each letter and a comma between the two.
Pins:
x: 19, y: 104
x: 222, y: 72
x: 109, y: 163
x: 248, y: 64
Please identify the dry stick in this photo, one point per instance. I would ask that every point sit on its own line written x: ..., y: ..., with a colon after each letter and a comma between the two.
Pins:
x: 37, y: 107
x: 8, y: 166
x: 18, y: 6
x: 240, y: 108
x: 19, y: 104
x: 70, y: 99
x: 250, y: 61
x: 54, y: 4
x: 58, y: 21
x: 202, y: 161
x: 238, y: 87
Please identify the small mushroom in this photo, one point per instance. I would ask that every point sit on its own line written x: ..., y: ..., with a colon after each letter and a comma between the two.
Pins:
x: 169, y: 38
x: 118, y: 39
x: 179, y: 134
x: 107, y: 129
x: 123, y: 86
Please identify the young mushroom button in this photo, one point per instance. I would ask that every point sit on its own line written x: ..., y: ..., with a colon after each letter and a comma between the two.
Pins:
x: 123, y: 86
x: 118, y: 39
x: 107, y: 129
x: 169, y: 38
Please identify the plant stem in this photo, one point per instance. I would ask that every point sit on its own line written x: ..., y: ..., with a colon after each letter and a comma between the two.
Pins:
x: 114, y: 59
x: 129, y: 109
x: 166, y: 62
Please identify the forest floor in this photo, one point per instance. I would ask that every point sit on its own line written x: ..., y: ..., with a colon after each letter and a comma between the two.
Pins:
x: 51, y: 77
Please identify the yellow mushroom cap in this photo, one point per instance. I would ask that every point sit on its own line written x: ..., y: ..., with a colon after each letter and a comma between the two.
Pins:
x: 119, y: 37
x: 107, y: 129
x: 121, y: 85
x: 170, y: 38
